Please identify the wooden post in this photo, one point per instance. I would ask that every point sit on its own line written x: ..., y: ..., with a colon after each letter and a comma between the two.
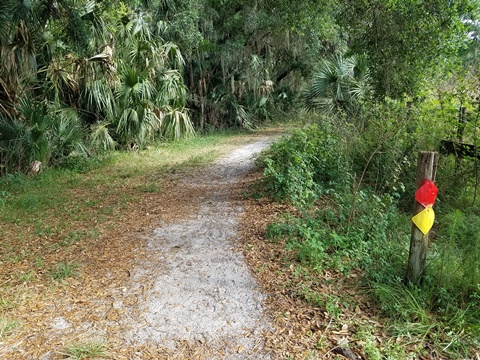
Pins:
x: 427, y: 169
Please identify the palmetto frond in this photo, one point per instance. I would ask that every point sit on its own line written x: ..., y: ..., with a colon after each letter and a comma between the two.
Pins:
x: 135, y: 87
x: 143, y: 53
x: 61, y: 75
x: 13, y: 135
x: 100, y: 137
x: 338, y: 83
x: 97, y: 97
x: 68, y: 134
x: 172, y: 52
x: 177, y: 125
x: 139, y: 25
x: 36, y: 143
x: 138, y: 124
x: 172, y: 90
x: 6, y: 10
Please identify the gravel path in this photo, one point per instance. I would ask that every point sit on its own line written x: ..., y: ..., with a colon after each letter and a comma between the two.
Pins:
x: 203, y: 291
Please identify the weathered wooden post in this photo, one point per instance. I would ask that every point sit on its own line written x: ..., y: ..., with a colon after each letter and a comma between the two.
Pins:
x: 427, y: 168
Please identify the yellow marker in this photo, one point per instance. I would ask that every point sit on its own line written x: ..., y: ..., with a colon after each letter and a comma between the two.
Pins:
x: 424, y: 219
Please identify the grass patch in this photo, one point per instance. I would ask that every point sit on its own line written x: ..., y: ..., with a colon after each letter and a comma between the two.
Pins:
x: 64, y: 270
x: 87, y: 350
x: 150, y: 187
x: 73, y: 237
x: 7, y: 326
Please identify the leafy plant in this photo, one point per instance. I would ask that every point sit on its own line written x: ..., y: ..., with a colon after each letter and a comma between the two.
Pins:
x: 177, y: 125
x: 305, y: 165
x: 101, y: 138
x: 40, y: 133
x: 339, y: 85
x: 457, y: 251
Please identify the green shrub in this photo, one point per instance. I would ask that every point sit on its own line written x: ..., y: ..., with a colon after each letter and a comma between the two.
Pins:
x: 349, y: 187
x: 41, y: 132
x: 456, y: 252
x: 308, y: 163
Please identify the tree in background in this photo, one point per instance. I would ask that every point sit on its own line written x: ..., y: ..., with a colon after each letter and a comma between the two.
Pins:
x: 404, y: 40
x: 246, y: 60
x: 110, y: 66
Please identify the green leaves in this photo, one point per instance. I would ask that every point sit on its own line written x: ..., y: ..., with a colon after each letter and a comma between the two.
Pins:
x: 300, y: 168
x: 404, y: 39
x: 42, y: 133
x: 339, y: 85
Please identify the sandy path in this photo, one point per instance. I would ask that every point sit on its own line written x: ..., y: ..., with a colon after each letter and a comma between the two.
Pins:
x: 202, y: 290
x: 165, y: 281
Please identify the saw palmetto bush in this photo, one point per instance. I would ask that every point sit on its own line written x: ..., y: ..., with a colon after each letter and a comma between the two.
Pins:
x: 41, y: 132
x: 151, y: 99
x: 115, y: 68
x: 137, y: 121
x: 100, y: 137
x: 339, y: 85
x: 177, y: 124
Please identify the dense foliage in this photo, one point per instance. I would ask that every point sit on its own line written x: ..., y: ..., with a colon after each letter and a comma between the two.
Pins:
x: 349, y: 188
x: 132, y: 72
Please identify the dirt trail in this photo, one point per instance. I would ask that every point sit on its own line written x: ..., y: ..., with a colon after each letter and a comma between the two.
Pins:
x: 165, y: 279
x: 202, y: 290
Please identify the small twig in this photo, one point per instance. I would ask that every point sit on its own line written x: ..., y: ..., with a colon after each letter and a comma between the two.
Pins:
x: 451, y: 342
x: 377, y: 149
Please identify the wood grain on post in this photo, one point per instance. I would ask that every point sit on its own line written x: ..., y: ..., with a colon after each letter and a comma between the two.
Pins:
x: 427, y: 169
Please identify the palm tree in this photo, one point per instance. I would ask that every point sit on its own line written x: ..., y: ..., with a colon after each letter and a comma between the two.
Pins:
x: 339, y: 85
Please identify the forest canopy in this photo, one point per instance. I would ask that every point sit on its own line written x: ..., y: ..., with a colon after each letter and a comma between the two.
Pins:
x: 83, y: 76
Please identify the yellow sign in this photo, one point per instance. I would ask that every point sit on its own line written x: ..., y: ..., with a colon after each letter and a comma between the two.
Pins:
x: 424, y: 219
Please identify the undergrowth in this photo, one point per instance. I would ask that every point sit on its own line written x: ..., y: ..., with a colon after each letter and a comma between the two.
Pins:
x: 346, y: 225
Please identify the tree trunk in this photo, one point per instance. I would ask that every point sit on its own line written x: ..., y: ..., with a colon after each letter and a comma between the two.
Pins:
x: 462, y: 123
